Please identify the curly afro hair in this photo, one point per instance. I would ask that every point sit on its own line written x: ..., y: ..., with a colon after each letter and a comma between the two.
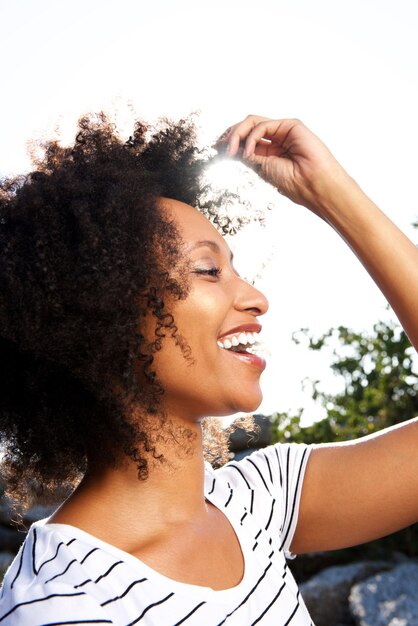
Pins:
x: 85, y: 254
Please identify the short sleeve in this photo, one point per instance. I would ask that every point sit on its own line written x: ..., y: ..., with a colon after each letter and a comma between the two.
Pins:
x: 271, y: 480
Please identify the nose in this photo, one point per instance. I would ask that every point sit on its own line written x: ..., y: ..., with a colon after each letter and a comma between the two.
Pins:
x: 249, y: 298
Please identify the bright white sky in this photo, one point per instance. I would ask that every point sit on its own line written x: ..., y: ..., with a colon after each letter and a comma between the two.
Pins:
x: 347, y: 68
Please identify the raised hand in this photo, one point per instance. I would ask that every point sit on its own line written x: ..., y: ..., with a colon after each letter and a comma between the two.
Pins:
x: 357, y: 491
x: 289, y: 156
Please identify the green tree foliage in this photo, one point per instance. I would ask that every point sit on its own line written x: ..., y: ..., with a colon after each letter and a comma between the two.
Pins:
x: 380, y: 385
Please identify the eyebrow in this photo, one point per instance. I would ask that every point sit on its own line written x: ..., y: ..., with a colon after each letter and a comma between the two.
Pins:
x: 209, y: 244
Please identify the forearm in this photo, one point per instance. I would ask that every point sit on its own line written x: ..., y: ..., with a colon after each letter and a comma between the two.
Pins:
x: 299, y: 165
x: 386, y: 253
x: 358, y: 491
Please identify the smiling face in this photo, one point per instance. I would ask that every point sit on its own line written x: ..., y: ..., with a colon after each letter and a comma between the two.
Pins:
x: 218, y: 320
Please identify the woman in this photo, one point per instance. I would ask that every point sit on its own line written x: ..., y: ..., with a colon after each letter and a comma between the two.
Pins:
x: 124, y: 323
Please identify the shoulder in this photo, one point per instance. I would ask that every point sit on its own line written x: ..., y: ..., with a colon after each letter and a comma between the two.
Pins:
x: 38, y: 605
x: 280, y: 466
x: 35, y: 590
x: 264, y: 487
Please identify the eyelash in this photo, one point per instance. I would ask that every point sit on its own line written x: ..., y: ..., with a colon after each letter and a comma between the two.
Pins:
x: 215, y: 272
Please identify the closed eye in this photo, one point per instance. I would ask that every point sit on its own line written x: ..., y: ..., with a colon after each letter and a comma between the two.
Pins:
x: 212, y: 271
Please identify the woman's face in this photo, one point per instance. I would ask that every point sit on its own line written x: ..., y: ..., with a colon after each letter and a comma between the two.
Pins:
x: 220, y: 307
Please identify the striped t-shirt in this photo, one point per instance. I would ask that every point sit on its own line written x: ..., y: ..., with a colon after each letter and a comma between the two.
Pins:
x: 63, y: 575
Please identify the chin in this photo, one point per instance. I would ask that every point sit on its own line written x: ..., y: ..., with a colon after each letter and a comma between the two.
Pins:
x: 250, y: 404
x: 238, y: 403
x: 236, y: 407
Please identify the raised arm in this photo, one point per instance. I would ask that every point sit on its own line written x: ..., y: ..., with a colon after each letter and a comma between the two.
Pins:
x: 300, y: 166
x: 356, y: 491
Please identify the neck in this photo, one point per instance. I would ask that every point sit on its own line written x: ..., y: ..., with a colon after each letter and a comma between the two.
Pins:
x: 115, y: 501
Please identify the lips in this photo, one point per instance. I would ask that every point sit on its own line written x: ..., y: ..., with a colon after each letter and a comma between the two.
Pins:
x: 237, y: 330
x: 251, y: 359
x: 242, y: 342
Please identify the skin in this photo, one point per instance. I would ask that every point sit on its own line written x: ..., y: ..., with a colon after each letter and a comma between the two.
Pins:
x: 347, y: 486
x: 353, y: 492
x: 160, y: 525
x: 216, y: 383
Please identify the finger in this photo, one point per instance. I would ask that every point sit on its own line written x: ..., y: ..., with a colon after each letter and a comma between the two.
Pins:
x: 264, y: 147
x: 278, y: 132
x: 239, y: 132
x: 263, y: 133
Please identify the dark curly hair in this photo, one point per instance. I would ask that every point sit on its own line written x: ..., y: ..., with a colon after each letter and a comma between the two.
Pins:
x: 85, y: 253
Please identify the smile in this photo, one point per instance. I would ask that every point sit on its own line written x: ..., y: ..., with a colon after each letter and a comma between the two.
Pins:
x: 246, y: 347
x: 238, y: 342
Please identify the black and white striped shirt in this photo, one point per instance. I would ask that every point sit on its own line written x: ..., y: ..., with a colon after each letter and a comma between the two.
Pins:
x: 63, y: 575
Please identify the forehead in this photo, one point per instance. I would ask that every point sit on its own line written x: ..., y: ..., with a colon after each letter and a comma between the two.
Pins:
x: 193, y: 226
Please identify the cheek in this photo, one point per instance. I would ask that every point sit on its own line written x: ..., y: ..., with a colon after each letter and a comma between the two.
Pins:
x: 199, y: 320
x: 202, y: 314
x: 182, y: 359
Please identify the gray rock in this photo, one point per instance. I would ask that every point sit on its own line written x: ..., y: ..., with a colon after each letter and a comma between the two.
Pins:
x: 388, y: 599
x: 6, y: 511
x: 16, y: 518
x: 37, y: 512
x: 238, y: 456
x: 326, y: 594
x: 241, y: 439
x: 308, y: 565
x: 5, y: 559
x: 14, y: 524
x: 11, y: 539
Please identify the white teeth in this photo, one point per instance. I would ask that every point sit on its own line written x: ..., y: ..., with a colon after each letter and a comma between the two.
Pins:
x: 260, y: 350
x: 242, y: 338
x: 245, y: 339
